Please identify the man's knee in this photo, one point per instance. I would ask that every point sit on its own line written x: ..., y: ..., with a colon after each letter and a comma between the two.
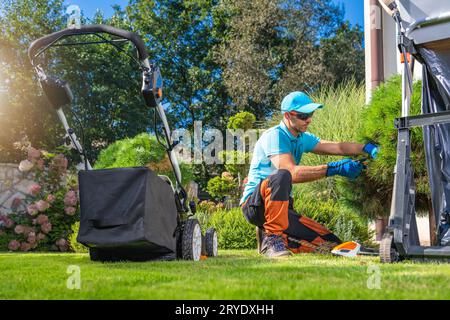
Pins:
x: 282, y: 176
x: 280, y: 184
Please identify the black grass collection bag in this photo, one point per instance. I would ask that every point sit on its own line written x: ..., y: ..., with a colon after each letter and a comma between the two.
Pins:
x: 127, y: 214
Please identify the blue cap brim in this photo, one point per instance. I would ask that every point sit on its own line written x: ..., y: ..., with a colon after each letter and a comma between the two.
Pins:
x: 308, y: 108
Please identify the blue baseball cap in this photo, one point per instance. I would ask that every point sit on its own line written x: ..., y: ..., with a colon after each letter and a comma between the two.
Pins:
x: 300, y: 102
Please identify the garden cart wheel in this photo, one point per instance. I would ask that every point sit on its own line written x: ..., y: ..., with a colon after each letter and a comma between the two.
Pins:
x: 211, y: 243
x: 388, y: 252
x: 191, y: 242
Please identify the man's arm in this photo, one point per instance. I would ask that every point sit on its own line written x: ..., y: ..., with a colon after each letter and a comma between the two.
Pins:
x: 338, y: 148
x: 299, y: 174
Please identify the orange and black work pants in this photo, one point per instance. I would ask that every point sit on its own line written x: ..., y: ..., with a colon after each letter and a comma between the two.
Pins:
x: 270, y: 207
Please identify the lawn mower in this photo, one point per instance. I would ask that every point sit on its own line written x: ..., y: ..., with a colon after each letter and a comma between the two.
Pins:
x: 127, y: 213
x: 424, y: 35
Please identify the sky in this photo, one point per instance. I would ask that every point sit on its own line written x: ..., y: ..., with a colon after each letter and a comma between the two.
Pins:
x: 89, y: 7
x: 354, y: 9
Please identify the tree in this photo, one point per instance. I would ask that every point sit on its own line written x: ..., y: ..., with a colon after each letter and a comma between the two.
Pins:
x: 249, y: 51
x: 105, y: 82
x: 217, y: 57
x: 23, y: 108
x: 343, y: 54
x: 108, y: 102
x: 274, y: 47
x: 180, y: 37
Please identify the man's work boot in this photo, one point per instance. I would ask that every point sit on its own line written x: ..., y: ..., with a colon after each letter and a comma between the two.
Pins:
x: 273, y: 247
x: 259, y: 237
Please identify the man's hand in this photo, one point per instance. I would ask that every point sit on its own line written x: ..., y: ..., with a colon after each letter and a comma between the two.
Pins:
x: 347, y: 168
x: 371, y: 149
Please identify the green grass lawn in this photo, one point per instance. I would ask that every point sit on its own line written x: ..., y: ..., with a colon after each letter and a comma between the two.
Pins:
x: 235, y: 274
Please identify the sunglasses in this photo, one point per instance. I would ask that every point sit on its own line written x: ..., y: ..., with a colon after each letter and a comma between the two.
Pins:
x: 301, y: 115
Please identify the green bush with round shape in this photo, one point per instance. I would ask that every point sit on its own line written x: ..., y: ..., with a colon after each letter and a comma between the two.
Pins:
x: 220, y: 187
x: 234, y: 232
x: 142, y: 150
x: 131, y: 152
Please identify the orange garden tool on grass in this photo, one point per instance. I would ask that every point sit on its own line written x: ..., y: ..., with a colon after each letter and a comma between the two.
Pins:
x: 353, y: 249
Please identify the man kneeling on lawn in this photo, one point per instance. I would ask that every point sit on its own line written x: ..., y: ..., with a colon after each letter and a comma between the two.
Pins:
x: 267, y: 201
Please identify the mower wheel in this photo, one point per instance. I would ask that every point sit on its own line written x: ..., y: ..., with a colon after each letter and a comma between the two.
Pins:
x: 179, y: 239
x: 191, y: 242
x: 388, y: 252
x: 211, y: 243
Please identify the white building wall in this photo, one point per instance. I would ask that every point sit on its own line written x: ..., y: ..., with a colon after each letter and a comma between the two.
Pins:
x: 391, y: 55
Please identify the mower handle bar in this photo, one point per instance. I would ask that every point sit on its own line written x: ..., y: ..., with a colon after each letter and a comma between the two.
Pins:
x: 88, y: 29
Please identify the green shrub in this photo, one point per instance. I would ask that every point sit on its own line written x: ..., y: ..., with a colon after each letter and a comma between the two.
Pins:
x: 73, y: 243
x: 339, y: 219
x: 378, y: 125
x: 234, y: 232
x: 371, y: 195
x: 142, y: 150
x: 131, y: 152
x: 378, y: 120
x: 203, y: 218
x: 220, y: 187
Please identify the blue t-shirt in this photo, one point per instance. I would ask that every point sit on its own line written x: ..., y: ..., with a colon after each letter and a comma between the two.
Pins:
x: 276, y: 140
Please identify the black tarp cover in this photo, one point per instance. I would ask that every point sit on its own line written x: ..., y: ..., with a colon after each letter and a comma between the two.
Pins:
x: 435, y: 58
x: 127, y: 207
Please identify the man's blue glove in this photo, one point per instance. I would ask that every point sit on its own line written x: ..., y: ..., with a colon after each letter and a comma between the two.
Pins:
x: 371, y: 149
x: 347, y: 168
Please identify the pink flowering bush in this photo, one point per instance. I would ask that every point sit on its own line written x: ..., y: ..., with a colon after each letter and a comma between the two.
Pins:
x: 43, y: 220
